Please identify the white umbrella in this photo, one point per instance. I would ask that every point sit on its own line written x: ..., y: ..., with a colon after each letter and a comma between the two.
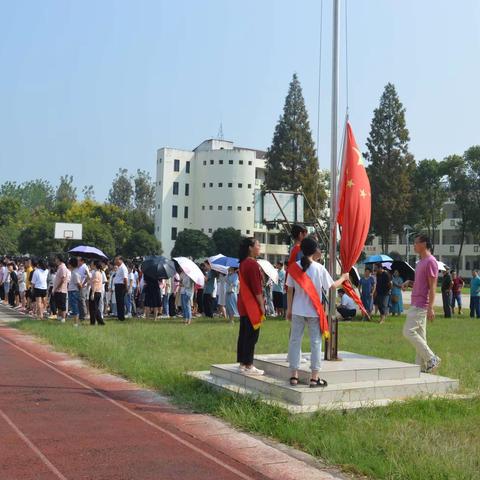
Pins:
x: 191, y: 269
x: 269, y: 269
x: 441, y: 266
x: 216, y: 267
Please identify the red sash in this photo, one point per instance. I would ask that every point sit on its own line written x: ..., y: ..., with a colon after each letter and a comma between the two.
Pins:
x: 293, y: 254
x: 251, y: 305
x: 306, y: 283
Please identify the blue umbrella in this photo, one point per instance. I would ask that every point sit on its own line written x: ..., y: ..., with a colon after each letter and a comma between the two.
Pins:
x: 227, y: 262
x: 88, y: 252
x: 378, y: 259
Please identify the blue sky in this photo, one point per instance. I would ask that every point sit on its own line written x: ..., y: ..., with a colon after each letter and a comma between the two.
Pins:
x: 88, y: 87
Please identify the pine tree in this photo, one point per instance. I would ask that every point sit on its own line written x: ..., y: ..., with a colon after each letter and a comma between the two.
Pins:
x: 390, y: 167
x: 291, y: 162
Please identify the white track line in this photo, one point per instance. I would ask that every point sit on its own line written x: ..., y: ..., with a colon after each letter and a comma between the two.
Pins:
x: 42, y: 457
x: 126, y: 409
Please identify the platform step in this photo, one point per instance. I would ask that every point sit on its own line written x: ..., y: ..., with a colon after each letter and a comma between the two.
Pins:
x: 360, y: 391
x: 350, y: 367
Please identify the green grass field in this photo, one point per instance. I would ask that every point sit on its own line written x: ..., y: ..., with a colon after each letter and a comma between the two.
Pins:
x: 420, y: 439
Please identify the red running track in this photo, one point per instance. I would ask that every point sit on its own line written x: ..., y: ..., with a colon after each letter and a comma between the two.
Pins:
x: 55, y: 426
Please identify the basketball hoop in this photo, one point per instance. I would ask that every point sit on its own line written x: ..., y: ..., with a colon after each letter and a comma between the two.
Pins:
x: 68, y: 234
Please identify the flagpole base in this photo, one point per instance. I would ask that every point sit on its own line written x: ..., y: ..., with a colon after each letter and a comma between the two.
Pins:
x: 331, y: 344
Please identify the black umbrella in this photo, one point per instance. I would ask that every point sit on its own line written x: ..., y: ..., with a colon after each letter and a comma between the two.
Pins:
x: 406, y: 271
x: 158, y: 267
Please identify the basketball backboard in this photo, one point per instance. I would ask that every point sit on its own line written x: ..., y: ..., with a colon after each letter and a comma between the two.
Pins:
x: 68, y: 231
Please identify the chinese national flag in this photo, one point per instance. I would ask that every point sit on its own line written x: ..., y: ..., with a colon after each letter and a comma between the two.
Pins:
x: 354, y: 208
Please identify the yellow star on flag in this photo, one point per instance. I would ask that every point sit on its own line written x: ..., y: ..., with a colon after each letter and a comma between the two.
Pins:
x: 350, y: 183
x: 363, y: 194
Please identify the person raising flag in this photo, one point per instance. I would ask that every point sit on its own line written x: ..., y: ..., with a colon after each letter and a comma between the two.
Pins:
x: 309, y: 279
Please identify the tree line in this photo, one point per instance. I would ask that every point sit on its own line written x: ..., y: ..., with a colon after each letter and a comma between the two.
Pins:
x: 404, y: 191
x: 122, y: 224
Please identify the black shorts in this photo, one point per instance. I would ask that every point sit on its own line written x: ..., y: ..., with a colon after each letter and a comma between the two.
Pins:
x: 278, y: 300
x: 39, y: 293
x: 60, y: 301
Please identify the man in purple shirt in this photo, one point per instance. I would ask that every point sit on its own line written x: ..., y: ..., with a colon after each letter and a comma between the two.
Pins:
x: 421, y: 309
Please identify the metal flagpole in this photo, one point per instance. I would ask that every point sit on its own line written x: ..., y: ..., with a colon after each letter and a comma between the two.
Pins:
x: 331, y: 344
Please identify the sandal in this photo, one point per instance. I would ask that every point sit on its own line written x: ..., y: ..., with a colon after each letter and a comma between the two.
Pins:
x: 293, y: 381
x: 319, y: 382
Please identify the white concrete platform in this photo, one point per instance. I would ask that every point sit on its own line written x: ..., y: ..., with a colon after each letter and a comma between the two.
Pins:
x: 354, y: 381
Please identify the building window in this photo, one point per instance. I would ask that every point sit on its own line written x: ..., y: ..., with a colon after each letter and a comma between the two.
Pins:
x: 187, y: 166
x: 220, y: 207
x: 211, y: 162
x: 452, y: 248
x: 204, y: 162
x: 475, y: 248
x: 229, y: 207
x: 203, y: 229
x: 174, y: 211
x: 204, y: 185
x: 159, y: 182
x: 230, y: 162
x: 209, y: 230
x: 210, y: 184
x: 453, y: 223
x: 220, y: 185
x: 158, y: 206
x: 210, y: 207
x: 160, y: 160
x: 248, y: 232
x: 158, y: 229
x: 249, y: 208
x: 249, y: 185
x: 220, y: 162
x: 203, y: 207
x: 176, y: 165
x: 250, y: 162
x: 230, y: 185
x: 185, y: 212
x: 239, y: 208
x: 240, y: 162
x: 175, y: 188
x: 174, y: 233
x: 187, y: 189
x: 239, y: 185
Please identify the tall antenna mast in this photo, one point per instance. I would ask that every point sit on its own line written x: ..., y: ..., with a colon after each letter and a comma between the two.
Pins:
x: 220, y: 132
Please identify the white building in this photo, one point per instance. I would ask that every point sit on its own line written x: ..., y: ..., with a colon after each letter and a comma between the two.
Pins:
x: 446, y: 244
x: 212, y: 187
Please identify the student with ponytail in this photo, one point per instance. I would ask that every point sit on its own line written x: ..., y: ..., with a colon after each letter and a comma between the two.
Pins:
x: 309, y: 279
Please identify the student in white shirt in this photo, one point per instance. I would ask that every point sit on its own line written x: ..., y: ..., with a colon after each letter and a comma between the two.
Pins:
x: 120, y: 283
x: 347, y: 308
x: 40, y: 285
x: 84, y: 273
x: 301, y: 311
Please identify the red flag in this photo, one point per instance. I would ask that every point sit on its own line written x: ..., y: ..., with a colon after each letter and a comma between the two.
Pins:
x: 354, y: 208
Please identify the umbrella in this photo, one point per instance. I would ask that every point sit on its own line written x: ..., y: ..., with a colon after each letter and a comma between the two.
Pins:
x: 217, y: 267
x: 387, y: 265
x: 378, y: 259
x: 269, y: 269
x: 406, y: 271
x: 88, y: 252
x: 158, y: 267
x: 191, y: 269
x: 227, y: 262
x: 441, y: 266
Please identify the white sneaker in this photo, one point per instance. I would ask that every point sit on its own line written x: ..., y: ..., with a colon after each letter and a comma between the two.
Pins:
x: 62, y: 320
x: 253, y: 370
x: 242, y: 368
